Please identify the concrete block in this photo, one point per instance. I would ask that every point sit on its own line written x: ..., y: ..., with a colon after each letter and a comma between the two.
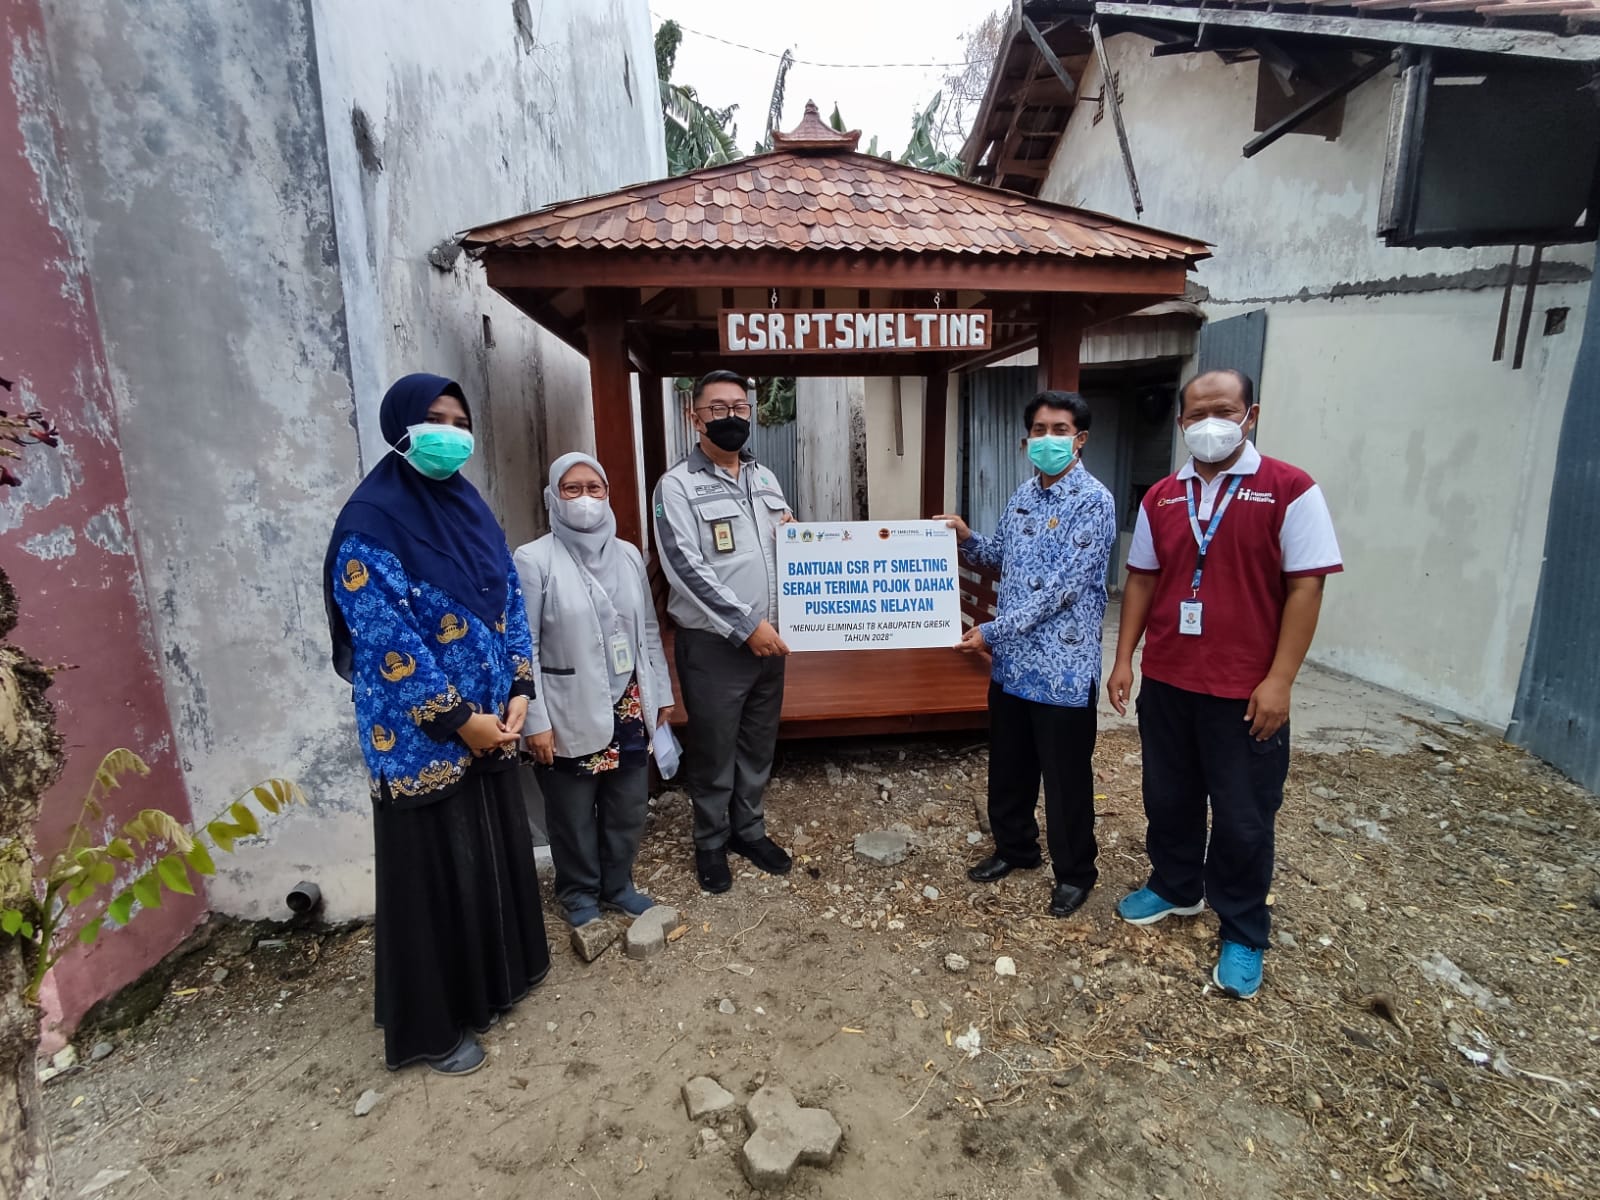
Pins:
x: 786, y: 1137
x: 647, y: 936
x: 883, y: 847
x: 703, y: 1097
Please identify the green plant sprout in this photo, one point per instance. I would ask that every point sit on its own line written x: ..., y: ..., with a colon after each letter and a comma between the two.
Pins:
x: 42, y: 910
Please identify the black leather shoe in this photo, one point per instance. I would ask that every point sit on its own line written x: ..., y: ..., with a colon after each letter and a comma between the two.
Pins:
x: 764, y: 852
x: 994, y: 868
x: 1065, y: 899
x: 711, y: 866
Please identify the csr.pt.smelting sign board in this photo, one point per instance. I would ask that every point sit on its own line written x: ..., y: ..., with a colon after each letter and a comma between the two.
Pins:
x: 852, y: 330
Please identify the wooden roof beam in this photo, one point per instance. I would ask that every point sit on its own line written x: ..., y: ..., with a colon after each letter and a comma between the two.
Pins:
x: 1028, y: 168
x: 1048, y: 54
x: 1524, y: 43
x: 1154, y: 276
x: 1305, y: 112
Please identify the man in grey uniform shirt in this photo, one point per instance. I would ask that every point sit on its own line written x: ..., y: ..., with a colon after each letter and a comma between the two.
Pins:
x: 716, y: 517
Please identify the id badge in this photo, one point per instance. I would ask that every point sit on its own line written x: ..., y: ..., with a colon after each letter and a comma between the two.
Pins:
x: 621, y: 654
x: 722, y: 537
x: 1189, y: 617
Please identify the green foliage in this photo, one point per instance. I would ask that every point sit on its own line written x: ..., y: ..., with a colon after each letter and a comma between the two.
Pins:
x: 775, y: 400
x: 82, y: 877
x: 696, y: 134
x: 923, y: 149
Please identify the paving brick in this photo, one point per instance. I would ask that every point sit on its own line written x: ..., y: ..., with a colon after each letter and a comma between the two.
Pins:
x: 647, y: 936
x: 786, y: 1137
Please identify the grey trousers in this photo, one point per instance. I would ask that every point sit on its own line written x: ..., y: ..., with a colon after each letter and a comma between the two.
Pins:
x: 595, y: 823
x: 735, y: 701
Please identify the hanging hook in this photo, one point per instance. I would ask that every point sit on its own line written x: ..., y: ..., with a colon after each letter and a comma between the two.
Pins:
x: 938, y: 299
x: 774, y: 297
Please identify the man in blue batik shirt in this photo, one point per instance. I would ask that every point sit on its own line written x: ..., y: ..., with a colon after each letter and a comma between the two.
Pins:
x: 1052, y: 549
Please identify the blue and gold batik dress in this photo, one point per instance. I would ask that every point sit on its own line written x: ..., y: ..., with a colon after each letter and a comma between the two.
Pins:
x: 460, y: 936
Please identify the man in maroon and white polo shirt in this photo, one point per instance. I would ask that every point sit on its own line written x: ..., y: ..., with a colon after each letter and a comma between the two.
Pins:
x: 1225, y: 581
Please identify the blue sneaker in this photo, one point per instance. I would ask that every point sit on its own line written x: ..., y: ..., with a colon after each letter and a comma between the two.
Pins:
x: 581, y: 914
x: 1144, y: 907
x: 632, y: 902
x: 1238, y: 970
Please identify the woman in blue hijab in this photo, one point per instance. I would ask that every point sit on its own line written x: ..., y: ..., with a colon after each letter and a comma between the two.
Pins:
x: 429, y: 627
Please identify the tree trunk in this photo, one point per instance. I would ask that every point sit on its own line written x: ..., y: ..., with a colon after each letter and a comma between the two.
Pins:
x: 30, y: 760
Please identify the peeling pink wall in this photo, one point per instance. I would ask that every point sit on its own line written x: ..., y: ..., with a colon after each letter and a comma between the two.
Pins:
x: 65, y: 539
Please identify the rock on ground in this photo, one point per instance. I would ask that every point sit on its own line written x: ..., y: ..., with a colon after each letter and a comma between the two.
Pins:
x: 883, y: 847
x: 369, y: 1101
x: 592, y: 940
x: 704, y: 1097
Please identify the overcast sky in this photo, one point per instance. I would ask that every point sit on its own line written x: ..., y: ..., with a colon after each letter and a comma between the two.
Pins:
x: 874, y: 100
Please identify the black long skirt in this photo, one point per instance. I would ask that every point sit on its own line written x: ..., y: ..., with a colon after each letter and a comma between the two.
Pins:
x: 460, y: 932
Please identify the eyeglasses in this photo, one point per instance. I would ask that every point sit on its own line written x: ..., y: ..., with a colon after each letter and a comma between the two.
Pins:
x: 571, y: 491
x: 717, y: 412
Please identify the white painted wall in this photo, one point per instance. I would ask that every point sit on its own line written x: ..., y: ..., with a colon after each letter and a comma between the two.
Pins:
x: 894, y: 481
x: 1377, y: 379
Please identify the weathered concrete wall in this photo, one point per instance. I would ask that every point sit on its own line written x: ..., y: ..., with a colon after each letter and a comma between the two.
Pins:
x: 441, y: 117
x: 194, y: 132
x: 1437, y: 462
x: 65, y: 541
x: 825, y: 456
x: 438, y: 118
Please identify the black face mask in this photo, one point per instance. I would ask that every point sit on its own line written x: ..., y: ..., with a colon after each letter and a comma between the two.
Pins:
x: 728, y: 433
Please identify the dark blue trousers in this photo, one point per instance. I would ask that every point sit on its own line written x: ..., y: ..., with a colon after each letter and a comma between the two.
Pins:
x: 1198, y: 748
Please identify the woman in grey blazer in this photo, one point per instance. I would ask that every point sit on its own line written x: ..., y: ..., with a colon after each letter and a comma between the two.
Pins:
x: 601, y: 690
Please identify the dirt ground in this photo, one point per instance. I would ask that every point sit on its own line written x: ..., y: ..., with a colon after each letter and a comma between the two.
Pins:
x: 1429, y: 1024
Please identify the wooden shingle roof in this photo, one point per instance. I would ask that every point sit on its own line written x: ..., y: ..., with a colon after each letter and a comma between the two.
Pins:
x: 799, y: 201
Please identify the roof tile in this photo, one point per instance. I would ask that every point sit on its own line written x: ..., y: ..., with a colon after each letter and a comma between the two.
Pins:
x: 843, y: 201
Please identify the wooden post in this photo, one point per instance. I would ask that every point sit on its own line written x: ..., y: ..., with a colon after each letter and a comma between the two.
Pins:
x: 653, y: 428
x: 610, y: 384
x: 935, y: 401
x: 1059, y: 335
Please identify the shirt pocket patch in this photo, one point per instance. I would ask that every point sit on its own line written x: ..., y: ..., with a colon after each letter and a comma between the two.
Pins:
x: 723, y: 529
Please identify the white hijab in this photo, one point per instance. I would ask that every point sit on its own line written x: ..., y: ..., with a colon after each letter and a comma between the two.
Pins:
x: 618, y: 600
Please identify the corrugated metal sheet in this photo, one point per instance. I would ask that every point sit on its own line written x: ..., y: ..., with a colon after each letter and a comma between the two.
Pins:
x: 1239, y: 343
x: 1139, y: 339
x: 775, y: 448
x: 991, y: 462
x: 1557, y: 715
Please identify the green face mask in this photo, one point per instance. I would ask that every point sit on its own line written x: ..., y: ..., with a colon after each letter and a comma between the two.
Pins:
x: 1051, y: 453
x: 438, y: 451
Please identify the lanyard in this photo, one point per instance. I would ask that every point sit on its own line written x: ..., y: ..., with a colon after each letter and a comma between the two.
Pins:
x: 1203, y: 542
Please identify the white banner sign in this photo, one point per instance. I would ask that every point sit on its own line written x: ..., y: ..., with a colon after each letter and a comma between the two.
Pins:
x: 868, y: 585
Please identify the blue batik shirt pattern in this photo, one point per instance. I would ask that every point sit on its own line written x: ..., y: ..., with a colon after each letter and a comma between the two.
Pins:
x: 423, y: 665
x: 1052, y: 549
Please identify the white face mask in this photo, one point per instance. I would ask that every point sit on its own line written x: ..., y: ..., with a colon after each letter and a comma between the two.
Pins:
x: 1213, y: 439
x: 584, y: 512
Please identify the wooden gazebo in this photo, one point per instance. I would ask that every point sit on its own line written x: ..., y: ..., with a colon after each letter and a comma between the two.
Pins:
x: 644, y: 280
